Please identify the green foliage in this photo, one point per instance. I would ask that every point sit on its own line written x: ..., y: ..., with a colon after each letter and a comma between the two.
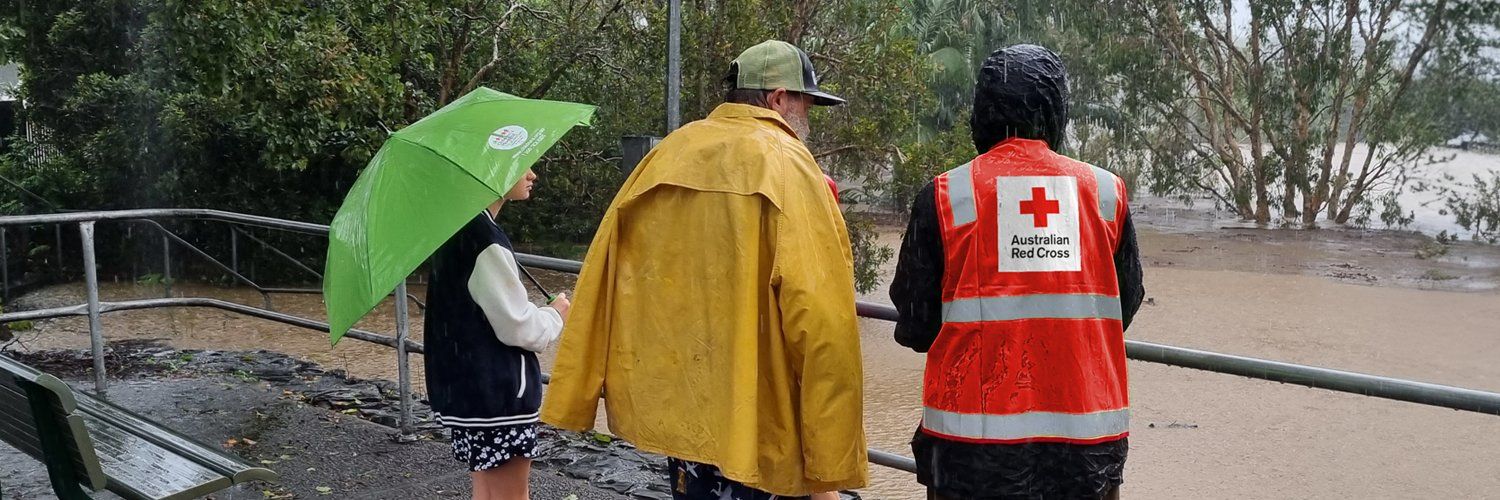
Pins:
x: 869, y: 254
x: 925, y: 160
x: 1392, y: 214
x: 1476, y: 206
x: 6, y: 329
x: 1268, y: 96
x: 1433, y: 249
x: 1437, y: 275
x: 273, y: 107
x: 1111, y: 71
x: 954, y: 37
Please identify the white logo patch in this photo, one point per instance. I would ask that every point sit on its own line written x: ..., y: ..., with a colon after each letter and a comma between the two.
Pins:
x: 1038, y: 220
x: 508, y: 137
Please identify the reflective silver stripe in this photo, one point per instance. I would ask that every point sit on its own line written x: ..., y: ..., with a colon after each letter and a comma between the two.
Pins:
x: 1036, y: 424
x: 1063, y: 306
x: 1107, y: 196
x: 961, y: 195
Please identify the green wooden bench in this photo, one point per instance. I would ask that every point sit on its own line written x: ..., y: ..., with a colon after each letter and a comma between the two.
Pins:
x: 89, y: 444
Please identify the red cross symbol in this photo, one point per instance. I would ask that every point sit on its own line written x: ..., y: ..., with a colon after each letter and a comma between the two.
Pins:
x: 1039, y: 207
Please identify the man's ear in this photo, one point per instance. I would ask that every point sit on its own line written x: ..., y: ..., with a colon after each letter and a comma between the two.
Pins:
x: 777, y: 100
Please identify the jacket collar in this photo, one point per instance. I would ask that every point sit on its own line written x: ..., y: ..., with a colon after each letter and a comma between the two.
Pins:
x: 733, y: 110
x: 1018, y: 145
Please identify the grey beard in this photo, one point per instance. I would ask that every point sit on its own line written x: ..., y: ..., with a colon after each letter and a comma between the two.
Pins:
x: 800, y: 127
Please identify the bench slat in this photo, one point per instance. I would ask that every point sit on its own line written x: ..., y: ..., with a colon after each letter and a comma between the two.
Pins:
x: 27, y: 392
x: 140, y: 469
x: 10, y: 391
x: 207, y: 455
x: 14, y: 401
x: 130, y: 492
x: 19, y: 422
x: 12, y: 398
x: 114, y: 448
x: 21, y: 438
x: 60, y: 389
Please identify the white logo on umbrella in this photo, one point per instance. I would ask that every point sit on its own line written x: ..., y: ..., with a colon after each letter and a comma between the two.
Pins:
x: 508, y: 137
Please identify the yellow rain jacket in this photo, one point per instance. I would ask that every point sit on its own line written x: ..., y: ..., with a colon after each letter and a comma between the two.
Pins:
x: 715, y: 312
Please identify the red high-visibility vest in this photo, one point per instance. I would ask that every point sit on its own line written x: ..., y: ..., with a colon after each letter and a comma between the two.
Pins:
x: 1032, y: 347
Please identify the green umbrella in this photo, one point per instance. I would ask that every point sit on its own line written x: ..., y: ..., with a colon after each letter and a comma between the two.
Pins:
x: 425, y: 183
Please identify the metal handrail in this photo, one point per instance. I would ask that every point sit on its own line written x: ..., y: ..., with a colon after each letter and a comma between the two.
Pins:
x: 164, y: 213
x: 1321, y: 378
x: 278, y: 252
x: 223, y: 305
x: 318, y: 291
x: 174, y: 238
x: 1377, y: 386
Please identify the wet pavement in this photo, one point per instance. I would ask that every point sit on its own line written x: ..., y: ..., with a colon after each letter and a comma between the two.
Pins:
x: 291, y: 417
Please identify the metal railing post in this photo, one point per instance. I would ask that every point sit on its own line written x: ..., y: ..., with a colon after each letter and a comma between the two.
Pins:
x: 91, y: 281
x: 674, y: 65
x: 4, y: 268
x: 403, y: 372
x: 57, y: 228
x: 234, y: 249
x: 166, y: 266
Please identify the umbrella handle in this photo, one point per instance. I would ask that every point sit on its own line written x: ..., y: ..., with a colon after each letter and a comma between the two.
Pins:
x: 538, y: 284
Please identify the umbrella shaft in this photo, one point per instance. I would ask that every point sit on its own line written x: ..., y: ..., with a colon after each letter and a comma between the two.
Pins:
x: 538, y: 284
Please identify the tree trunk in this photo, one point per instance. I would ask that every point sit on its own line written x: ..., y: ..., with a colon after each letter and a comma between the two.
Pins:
x: 1257, y: 92
x: 1335, y: 195
x: 1262, y: 200
x: 1346, y: 211
x: 1300, y: 175
x: 1327, y: 191
x: 1310, y: 203
x: 1357, y: 191
x: 1289, y: 211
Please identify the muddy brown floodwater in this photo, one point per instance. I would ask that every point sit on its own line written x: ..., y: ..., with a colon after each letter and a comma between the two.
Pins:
x: 1345, y: 299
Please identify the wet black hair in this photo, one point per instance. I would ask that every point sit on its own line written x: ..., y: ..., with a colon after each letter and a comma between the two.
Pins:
x: 1022, y: 92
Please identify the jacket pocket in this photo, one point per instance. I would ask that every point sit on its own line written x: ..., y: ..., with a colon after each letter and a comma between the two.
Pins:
x: 521, y: 389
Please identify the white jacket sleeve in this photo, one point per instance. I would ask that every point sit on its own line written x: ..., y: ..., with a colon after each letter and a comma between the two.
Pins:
x: 496, y: 287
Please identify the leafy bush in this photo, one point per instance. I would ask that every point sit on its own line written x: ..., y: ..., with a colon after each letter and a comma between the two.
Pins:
x: 1476, y: 206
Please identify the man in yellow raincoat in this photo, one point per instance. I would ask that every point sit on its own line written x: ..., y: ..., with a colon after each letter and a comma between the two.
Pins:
x: 715, y: 310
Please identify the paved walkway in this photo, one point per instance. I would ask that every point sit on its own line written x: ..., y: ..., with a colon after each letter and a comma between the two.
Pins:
x: 311, y: 447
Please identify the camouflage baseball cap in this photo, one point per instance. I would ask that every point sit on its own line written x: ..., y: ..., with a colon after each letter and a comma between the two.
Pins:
x: 776, y: 64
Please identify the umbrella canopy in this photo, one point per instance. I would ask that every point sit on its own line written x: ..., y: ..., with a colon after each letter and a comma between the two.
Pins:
x: 424, y: 184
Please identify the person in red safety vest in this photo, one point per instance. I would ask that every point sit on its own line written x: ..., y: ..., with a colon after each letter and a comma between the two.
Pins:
x: 1018, y: 275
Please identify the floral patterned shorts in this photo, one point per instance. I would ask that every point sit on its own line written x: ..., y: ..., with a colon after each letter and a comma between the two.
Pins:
x: 485, y: 448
